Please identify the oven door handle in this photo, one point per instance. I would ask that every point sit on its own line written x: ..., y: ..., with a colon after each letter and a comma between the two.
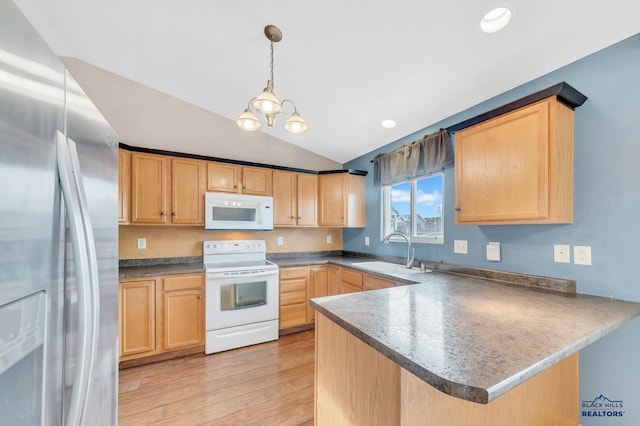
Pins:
x: 257, y: 274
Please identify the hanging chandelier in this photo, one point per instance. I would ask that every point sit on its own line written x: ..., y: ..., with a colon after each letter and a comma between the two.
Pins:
x: 267, y: 103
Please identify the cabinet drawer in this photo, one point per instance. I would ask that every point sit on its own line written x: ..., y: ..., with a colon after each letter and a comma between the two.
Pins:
x: 293, y: 286
x: 351, y: 277
x: 291, y: 273
x: 293, y: 315
x: 183, y: 282
x: 373, y: 283
x: 293, y: 297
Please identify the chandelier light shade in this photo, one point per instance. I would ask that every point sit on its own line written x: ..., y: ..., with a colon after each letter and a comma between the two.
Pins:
x: 267, y: 104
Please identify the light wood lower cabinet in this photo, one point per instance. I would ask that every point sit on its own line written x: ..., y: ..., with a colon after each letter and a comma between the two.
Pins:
x: 299, y: 284
x: 137, y: 313
x: 293, y: 297
x: 160, y: 314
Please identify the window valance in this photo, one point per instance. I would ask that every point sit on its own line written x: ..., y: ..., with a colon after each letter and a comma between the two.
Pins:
x: 427, y: 155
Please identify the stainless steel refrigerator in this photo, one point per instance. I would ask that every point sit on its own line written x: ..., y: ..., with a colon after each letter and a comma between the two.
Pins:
x: 58, y: 240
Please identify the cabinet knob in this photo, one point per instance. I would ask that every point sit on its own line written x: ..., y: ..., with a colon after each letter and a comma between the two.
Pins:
x: 235, y: 186
x: 163, y: 213
x: 291, y: 218
x: 299, y: 217
x: 199, y: 296
x: 173, y: 214
x: 244, y: 186
x: 457, y: 209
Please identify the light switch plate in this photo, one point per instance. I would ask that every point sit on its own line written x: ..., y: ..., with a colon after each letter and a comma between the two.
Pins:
x: 562, y: 253
x: 460, y: 246
x: 142, y: 243
x: 329, y: 239
x: 280, y: 241
x: 366, y: 241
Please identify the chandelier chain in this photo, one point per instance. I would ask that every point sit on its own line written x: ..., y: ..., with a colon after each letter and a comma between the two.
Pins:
x: 271, y: 76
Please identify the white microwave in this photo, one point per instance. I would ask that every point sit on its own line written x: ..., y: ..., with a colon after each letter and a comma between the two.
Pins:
x: 237, y: 211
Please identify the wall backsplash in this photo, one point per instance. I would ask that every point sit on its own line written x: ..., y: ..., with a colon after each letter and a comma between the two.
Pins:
x: 175, y: 241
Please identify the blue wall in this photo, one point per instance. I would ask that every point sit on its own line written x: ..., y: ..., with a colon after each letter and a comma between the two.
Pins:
x: 606, y: 206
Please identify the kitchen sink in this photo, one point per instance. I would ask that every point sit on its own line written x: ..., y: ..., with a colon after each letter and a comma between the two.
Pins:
x: 389, y: 268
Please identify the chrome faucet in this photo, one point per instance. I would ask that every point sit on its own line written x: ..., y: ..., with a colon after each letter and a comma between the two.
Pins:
x: 410, y: 258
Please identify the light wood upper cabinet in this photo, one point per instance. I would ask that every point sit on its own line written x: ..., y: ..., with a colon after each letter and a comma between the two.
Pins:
x: 341, y: 200
x: 295, y: 199
x: 150, y: 176
x: 224, y: 177
x: 124, y: 185
x: 166, y: 190
x: 137, y: 316
x: 187, y: 191
x: 517, y: 168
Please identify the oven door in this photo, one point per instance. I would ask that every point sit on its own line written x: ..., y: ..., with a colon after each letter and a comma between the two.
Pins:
x: 240, y: 299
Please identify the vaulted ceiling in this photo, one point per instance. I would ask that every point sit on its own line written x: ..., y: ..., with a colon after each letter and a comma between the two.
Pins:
x: 346, y: 64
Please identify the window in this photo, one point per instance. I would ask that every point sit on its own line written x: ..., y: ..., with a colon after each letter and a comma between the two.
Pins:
x: 414, y: 207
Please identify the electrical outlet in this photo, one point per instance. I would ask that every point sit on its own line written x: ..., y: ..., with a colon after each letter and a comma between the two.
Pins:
x: 366, y: 241
x: 460, y: 246
x: 582, y: 255
x: 142, y: 243
x: 280, y: 240
x: 329, y: 239
x: 561, y: 253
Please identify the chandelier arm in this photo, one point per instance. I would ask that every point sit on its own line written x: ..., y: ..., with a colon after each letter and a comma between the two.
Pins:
x: 295, y: 109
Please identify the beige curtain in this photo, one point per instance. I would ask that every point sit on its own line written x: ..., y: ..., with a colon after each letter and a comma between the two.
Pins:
x: 427, y: 155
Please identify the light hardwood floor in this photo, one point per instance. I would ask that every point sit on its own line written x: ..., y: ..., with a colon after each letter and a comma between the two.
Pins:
x: 267, y: 384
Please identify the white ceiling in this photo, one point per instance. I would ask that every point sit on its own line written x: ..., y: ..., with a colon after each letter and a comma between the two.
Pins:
x: 346, y: 64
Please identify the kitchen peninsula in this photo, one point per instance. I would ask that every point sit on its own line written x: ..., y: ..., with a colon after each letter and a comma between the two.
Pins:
x: 456, y: 348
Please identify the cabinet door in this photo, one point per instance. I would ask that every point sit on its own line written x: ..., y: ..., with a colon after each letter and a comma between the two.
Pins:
x: 149, y: 188
x: 222, y: 177
x: 517, y: 168
x: 183, y: 312
x: 284, y: 198
x: 137, y: 317
x: 187, y: 191
x: 318, y: 287
x: 124, y: 185
x: 307, y: 200
x: 332, y: 200
x: 333, y: 273
x: 350, y: 281
x: 257, y: 181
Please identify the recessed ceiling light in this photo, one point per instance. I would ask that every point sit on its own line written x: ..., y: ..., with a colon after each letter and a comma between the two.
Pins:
x: 495, y: 19
x: 389, y: 124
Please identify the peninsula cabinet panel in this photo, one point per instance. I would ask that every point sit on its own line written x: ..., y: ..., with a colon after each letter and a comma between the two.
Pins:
x: 124, y: 185
x: 137, y: 316
x: 349, y: 281
x: 517, y: 168
x: 295, y: 199
x: 341, y: 200
x: 224, y: 177
x: 149, y: 188
x: 187, y: 191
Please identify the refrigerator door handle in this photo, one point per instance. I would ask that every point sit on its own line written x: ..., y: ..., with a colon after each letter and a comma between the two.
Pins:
x: 69, y: 179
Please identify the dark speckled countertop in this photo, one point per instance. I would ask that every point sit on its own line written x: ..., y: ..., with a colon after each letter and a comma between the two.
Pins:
x: 469, y: 332
x: 474, y: 338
